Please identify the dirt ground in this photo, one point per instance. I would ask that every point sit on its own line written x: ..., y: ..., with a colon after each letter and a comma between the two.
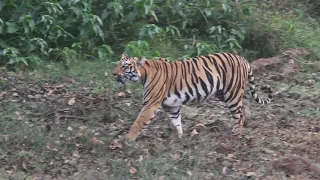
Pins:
x: 62, y: 130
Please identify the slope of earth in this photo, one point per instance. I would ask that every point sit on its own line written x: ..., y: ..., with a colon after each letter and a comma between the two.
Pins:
x: 62, y: 130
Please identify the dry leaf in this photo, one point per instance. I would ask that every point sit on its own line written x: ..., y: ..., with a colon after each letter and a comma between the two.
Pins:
x: 51, y: 163
x: 80, y: 134
x: 133, y: 170
x: 146, y: 152
x: 76, y: 154
x: 311, y: 82
x: 140, y: 158
x: 50, y: 91
x: 121, y: 94
x: 15, y: 94
x: 199, y: 124
x: 79, y: 145
x: 251, y: 174
x: 115, y: 144
x: 24, y: 165
x: 230, y: 156
x: 5, y: 138
x: 129, y: 91
x: 96, y: 141
x: 194, y: 132
x: 71, y: 101
x: 19, y: 114
x: 30, y: 96
x: 50, y: 148
x: 189, y: 173
x: 21, y: 72
x: 175, y: 155
x: 73, y: 80
x: 224, y: 170
x: 70, y: 128
x: 10, y: 172
x: 83, y: 127
x: 2, y: 94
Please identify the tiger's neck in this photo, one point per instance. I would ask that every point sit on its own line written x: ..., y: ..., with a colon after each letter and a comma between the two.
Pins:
x: 154, y: 71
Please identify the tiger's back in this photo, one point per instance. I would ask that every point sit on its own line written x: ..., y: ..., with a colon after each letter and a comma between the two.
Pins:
x: 196, y: 79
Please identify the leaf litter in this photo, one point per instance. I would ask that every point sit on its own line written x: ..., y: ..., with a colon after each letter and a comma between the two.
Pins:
x: 87, y: 133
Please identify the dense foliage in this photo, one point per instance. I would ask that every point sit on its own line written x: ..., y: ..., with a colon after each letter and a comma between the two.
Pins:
x: 34, y: 31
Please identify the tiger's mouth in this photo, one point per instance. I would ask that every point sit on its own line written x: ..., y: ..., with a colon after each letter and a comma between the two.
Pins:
x: 119, y: 79
x: 127, y: 77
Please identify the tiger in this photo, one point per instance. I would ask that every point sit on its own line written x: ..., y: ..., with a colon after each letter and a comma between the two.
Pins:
x: 171, y: 84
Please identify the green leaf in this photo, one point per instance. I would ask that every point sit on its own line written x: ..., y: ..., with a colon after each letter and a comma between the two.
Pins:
x: 226, y: 8
x: 11, y: 27
x: 104, y: 51
x: 207, y: 12
x: 155, y: 16
x: 24, y: 61
x: 12, y: 61
x: 1, y: 26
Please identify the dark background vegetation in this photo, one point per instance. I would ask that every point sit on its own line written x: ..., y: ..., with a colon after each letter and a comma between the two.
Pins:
x: 62, y: 116
x: 36, y: 33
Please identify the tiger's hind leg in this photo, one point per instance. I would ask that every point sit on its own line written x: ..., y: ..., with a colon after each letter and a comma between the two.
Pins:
x: 236, y: 108
x: 174, y: 115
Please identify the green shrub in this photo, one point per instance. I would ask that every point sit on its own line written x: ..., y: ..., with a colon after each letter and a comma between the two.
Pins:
x: 37, y: 30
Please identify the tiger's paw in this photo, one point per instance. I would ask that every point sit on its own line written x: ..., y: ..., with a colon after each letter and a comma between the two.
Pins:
x: 237, y: 131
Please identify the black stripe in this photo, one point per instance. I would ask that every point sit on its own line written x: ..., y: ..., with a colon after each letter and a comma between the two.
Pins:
x: 183, y: 69
x: 195, y: 61
x: 204, y: 87
x: 218, y: 84
x: 235, y: 104
x: 198, y: 96
x: 210, y: 78
x: 175, y: 113
x: 174, y: 117
x: 176, y: 92
x: 189, y: 88
x: 232, y: 78
x: 144, y: 79
x: 236, y: 111
x: 236, y: 87
x: 222, y: 62
x: 187, y: 98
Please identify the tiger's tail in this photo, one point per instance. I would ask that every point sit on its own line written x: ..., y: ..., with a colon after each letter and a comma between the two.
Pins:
x: 253, y: 93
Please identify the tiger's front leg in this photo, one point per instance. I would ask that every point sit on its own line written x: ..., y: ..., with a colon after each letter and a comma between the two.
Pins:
x: 144, y: 118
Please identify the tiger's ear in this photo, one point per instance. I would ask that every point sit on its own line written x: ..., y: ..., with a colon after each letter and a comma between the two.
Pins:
x: 124, y: 55
x: 142, y: 61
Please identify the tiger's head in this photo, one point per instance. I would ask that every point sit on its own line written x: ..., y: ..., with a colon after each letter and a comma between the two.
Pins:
x: 128, y: 69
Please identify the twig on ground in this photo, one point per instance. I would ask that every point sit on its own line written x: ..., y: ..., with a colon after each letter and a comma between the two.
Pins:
x: 123, y: 110
x: 284, y: 90
x: 75, y: 117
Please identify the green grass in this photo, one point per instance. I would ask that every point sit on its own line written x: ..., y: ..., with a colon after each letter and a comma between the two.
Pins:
x: 270, y: 33
x: 298, y: 32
